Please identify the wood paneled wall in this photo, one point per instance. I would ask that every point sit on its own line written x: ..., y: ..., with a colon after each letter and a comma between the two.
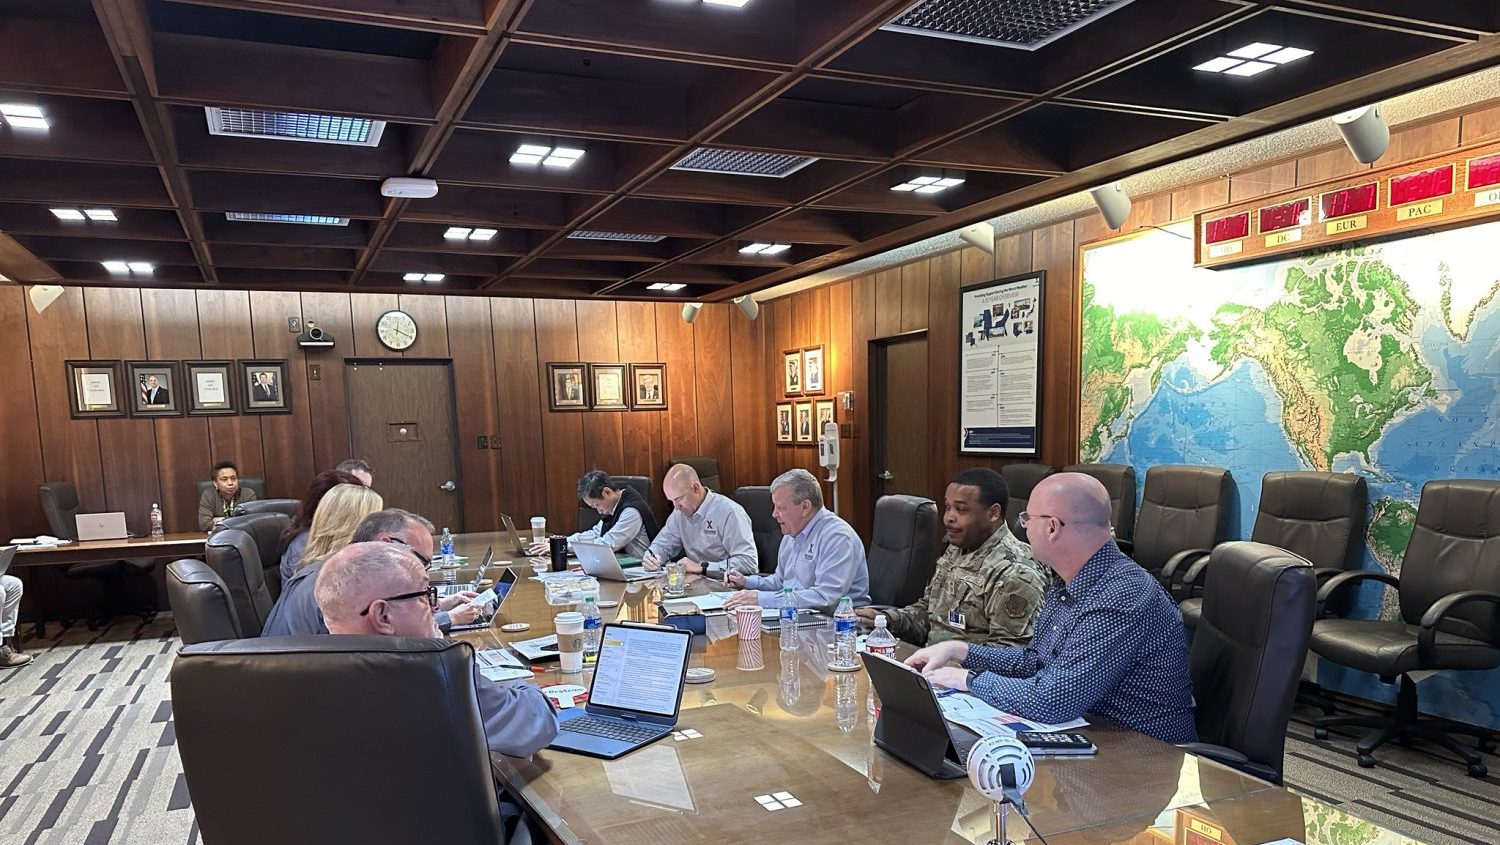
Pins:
x: 499, y: 349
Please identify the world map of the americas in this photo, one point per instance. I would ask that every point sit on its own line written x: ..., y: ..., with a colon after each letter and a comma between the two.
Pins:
x: 1381, y: 360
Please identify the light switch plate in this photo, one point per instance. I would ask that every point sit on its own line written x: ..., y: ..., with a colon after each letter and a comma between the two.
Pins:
x: 294, y: 325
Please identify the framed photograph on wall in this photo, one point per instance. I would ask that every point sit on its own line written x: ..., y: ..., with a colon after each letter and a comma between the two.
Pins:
x: 154, y: 388
x: 802, y: 420
x: 791, y: 377
x: 567, y: 386
x: 265, y: 387
x: 209, y: 387
x: 648, y: 387
x: 608, y: 386
x: 812, y: 370
x: 1000, y: 366
x: 94, y: 389
x: 822, y: 413
x: 784, y: 422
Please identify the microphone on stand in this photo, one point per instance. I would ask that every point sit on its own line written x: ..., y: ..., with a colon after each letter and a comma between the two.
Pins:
x: 1001, y: 769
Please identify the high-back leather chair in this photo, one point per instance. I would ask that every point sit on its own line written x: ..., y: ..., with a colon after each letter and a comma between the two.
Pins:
x: 1318, y: 516
x: 1119, y: 481
x: 344, y: 707
x: 902, y: 550
x: 707, y: 468
x: 1020, y: 480
x: 757, y: 504
x: 1184, y: 513
x: 265, y: 529
x: 1449, y: 592
x: 283, y: 506
x: 200, y: 603
x: 1248, y: 652
x: 232, y: 554
x: 59, y: 501
x: 588, y: 517
x: 256, y: 484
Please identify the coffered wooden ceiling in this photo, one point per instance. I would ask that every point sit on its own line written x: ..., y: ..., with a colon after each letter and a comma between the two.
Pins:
x: 636, y: 85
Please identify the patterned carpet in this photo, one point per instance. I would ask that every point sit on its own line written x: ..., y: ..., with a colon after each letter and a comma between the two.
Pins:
x: 88, y: 757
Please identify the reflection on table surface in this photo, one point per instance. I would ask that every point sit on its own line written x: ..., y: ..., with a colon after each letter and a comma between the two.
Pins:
x: 782, y: 722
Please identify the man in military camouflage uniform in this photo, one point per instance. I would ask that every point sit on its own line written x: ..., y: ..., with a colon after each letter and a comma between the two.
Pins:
x: 986, y: 587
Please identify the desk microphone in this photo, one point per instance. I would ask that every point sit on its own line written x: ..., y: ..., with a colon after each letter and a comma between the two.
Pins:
x: 1002, y: 768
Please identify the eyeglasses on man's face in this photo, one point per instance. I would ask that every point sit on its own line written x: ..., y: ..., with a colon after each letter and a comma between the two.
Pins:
x: 431, y: 593
x: 426, y: 561
x: 1026, y: 519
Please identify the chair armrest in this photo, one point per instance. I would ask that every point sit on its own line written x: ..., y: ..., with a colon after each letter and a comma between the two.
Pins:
x: 1126, y: 546
x: 1193, y: 579
x: 1427, y: 637
x: 1323, y: 573
x: 1231, y: 758
x: 1344, y: 579
x: 1176, y: 562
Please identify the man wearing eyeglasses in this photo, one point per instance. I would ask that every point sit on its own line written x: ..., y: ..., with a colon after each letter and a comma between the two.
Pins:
x: 381, y: 589
x: 1109, y: 640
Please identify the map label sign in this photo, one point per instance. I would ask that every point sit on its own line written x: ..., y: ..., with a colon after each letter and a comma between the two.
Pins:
x: 1421, y: 209
x: 1352, y: 224
x: 999, y: 361
x: 1286, y: 237
x: 1484, y: 198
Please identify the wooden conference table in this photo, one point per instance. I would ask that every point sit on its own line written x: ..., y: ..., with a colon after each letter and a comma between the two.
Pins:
x: 782, y: 722
x: 91, y: 551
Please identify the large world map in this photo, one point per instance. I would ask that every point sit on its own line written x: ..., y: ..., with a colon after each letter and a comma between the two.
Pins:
x: 1381, y: 360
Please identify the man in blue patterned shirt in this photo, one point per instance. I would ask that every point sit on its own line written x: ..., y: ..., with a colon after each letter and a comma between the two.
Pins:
x: 1108, y: 639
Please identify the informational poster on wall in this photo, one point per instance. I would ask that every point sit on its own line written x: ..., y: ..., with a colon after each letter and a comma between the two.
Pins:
x: 999, y: 359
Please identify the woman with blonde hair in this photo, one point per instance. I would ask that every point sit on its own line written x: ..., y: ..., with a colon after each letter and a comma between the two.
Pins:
x: 334, y: 522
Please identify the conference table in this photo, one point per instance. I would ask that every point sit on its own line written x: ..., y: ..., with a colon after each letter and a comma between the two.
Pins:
x: 774, y: 724
x: 92, y: 551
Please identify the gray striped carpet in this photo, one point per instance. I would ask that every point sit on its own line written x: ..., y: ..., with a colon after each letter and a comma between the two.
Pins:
x: 88, y: 757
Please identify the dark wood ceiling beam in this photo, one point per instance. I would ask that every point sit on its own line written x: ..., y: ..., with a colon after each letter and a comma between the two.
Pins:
x: 521, y: 101
x: 894, y: 80
x: 30, y: 58
x: 447, y: 17
x: 396, y: 261
x: 616, y: 47
x: 283, y: 258
x: 1432, y: 24
x: 823, y: 130
x: 107, y: 249
x: 18, y: 264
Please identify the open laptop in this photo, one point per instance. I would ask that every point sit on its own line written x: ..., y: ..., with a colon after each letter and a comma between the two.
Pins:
x: 489, y: 608
x: 517, y: 547
x: 7, y: 554
x: 911, y: 725
x: 101, y: 526
x: 636, y: 694
x: 599, y: 560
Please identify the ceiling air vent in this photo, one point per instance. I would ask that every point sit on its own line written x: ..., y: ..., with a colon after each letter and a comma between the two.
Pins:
x: 295, y: 126
x: 1024, y: 24
x: 590, y: 235
x: 305, y: 219
x: 742, y: 163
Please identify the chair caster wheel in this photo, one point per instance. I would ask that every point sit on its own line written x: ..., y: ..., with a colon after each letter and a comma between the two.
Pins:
x: 1366, y: 761
x: 1320, y: 733
x: 1477, y: 770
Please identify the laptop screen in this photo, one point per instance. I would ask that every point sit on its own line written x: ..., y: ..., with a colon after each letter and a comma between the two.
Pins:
x: 640, y: 669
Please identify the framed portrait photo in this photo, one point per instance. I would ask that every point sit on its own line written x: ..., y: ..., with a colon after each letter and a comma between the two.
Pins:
x: 802, y: 422
x: 648, y: 387
x: 784, y: 422
x: 609, y: 387
x: 822, y: 413
x: 94, y: 389
x: 792, y: 372
x: 264, y: 387
x: 210, y: 387
x: 567, y: 386
x: 812, y: 370
x: 155, y: 390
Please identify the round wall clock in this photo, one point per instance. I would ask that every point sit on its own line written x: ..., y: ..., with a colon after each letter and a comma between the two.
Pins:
x: 397, y: 330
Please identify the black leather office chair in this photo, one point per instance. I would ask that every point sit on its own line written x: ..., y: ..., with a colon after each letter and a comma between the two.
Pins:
x: 232, y: 554
x: 282, y: 506
x: 344, y: 707
x: 59, y: 500
x: 1248, y: 653
x: 265, y: 529
x: 1119, y: 480
x: 1449, y: 594
x: 200, y: 603
x: 1184, y: 513
x: 1319, y: 516
x: 757, y: 504
x: 1020, y: 480
x: 588, y: 517
x: 903, y: 549
x: 256, y: 484
x: 707, y: 468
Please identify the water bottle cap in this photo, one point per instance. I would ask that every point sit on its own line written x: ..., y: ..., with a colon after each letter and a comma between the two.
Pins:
x: 880, y: 620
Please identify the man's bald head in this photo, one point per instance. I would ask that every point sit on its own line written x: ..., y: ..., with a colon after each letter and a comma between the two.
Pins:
x: 1080, y: 499
x: 359, y: 575
x: 1068, y: 521
x: 683, y: 489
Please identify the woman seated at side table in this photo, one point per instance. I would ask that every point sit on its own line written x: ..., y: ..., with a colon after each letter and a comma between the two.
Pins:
x: 221, y: 500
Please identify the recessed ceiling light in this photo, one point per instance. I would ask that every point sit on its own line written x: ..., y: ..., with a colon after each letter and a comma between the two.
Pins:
x: 563, y: 157
x: 675, y: 286
x: 1217, y: 65
x: 101, y: 215
x: 1249, y: 69
x: 482, y: 234
x: 949, y: 182
x: 548, y: 156
x: 1255, y: 50
x: 1266, y: 56
x: 753, y: 249
x: 735, y: 3
x: 775, y: 249
x: 657, y: 286
x: 412, y: 277
x: 1286, y: 54
x: 21, y: 116
x: 457, y: 233
x: 141, y: 267
x: 931, y: 181
x: 67, y: 214
x: 433, y: 277
x: 666, y: 286
x: 116, y: 266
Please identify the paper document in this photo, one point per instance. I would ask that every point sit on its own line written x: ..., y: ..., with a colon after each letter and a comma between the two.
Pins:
x: 979, y: 717
x: 705, y: 603
x: 497, y: 664
x: 484, y: 598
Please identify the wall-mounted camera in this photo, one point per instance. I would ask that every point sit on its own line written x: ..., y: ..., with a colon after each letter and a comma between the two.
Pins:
x: 315, y: 338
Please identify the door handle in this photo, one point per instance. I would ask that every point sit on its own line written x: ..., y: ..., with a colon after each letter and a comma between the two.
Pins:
x: 885, y: 475
x: 448, y: 485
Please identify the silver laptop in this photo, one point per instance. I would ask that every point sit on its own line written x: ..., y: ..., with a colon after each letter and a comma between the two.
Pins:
x: 599, y: 560
x: 636, y: 694
x: 102, y: 526
x: 516, y: 546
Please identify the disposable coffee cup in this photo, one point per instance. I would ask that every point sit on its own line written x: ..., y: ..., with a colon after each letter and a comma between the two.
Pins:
x: 538, y: 528
x: 748, y: 617
x: 559, y: 547
x: 570, y: 640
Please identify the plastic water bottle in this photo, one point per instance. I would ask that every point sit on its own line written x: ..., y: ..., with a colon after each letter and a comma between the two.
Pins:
x: 592, y: 628
x: 789, y: 636
x: 845, y: 631
x: 156, y: 530
x: 880, y: 641
x: 445, y: 548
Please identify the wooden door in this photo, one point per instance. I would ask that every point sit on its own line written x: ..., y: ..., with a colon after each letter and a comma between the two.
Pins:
x: 401, y: 420
x: 899, y: 416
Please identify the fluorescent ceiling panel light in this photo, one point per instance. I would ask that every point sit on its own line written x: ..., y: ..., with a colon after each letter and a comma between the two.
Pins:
x: 1218, y: 65
x: 1255, y: 51
x: 596, y: 235
x: 1286, y: 54
x: 304, y: 219
x: 116, y: 266
x: 101, y: 215
x: 19, y: 110
x: 482, y: 234
x: 949, y: 182
x: 67, y: 213
x: 754, y: 249
x: 412, y: 277
x: 141, y: 267
x: 519, y: 158
x: 457, y: 233
x: 657, y: 286
x: 931, y: 189
x: 295, y: 126
x: 904, y: 186
x: 925, y: 180
x: 775, y: 249
x: 532, y: 150
x: 733, y: 3
x: 26, y: 122
x: 676, y: 286
x: 1249, y: 69
x: 562, y: 157
x: 433, y: 277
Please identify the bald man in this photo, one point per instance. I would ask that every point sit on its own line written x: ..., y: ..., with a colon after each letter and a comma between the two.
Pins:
x: 382, y: 588
x: 1108, y: 638
x: 708, y: 532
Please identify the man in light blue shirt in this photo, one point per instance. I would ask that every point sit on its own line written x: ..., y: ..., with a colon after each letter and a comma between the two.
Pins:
x: 821, y: 557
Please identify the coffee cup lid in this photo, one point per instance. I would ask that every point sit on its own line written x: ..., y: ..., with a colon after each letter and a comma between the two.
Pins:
x: 567, y: 617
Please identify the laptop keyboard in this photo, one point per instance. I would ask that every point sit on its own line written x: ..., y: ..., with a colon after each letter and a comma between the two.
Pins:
x: 610, y: 729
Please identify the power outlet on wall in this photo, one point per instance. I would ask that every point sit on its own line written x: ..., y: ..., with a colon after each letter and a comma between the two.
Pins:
x: 484, y: 442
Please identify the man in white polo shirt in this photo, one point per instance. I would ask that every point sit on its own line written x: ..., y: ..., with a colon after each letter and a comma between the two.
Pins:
x: 707, y: 531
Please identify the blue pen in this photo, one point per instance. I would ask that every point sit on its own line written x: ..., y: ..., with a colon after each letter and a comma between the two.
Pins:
x: 941, y: 693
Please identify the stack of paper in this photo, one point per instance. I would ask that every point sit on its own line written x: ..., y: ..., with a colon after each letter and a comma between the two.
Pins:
x: 497, y: 664
x: 964, y: 709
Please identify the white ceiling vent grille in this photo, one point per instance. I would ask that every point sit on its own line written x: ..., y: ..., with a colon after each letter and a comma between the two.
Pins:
x: 742, y: 163
x: 1024, y: 24
x: 295, y: 126
x: 305, y: 219
x: 591, y: 235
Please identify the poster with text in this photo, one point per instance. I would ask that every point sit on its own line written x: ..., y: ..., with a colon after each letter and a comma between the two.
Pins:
x: 999, y: 359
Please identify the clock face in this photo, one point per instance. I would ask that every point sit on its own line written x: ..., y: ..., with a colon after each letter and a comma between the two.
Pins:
x: 396, y: 329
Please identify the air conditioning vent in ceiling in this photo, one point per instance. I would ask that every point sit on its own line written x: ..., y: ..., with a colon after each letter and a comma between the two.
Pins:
x: 591, y: 235
x: 742, y: 163
x: 1023, y: 24
x: 295, y: 126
